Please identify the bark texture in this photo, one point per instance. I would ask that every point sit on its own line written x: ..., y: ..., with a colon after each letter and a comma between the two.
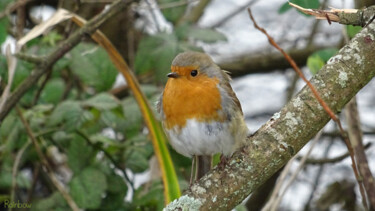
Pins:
x: 287, y: 131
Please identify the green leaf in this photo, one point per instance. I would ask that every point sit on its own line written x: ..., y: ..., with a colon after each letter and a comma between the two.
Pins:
x: 318, y: 59
x: 352, y: 30
x: 150, y: 90
x: 133, y: 117
x: 71, y: 114
x: 22, y: 72
x: 88, y: 187
x: 137, y: 156
x: 79, y: 154
x: 54, y: 202
x: 51, y: 38
x: 7, y: 126
x: 308, y: 4
x: 284, y: 8
x: 6, y: 180
x: 116, y: 184
x: 114, y: 201
x: 155, y: 55
x: 173, y: 14
x: 102, y: 101
x: 326, y: 54
x: 53, y: 91
x: 150, y: 199
x: 92, y: 65
x: 315, y: 63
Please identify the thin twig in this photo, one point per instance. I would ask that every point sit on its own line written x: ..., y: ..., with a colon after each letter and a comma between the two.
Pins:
x: 156, y: 22
x: 30, y: 192
x: 233, y: 14
x: 273, y: 203
x: 13, y: 6
x: 45, y: 163
x: 317, y: 97
x: 20, y: 21
x: 30, y: 58
x: 317, y: 177
x: 195, y: 13
x: 109, y: 156
x: 12, y: 64
x: 355, y: 134
x: 40, y: 90
x: 315, y: 27
x: 15, y: 171
x: 323, y: 161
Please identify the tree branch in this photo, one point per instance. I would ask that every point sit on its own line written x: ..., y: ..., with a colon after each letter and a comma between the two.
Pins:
x: 261, y: 63
x: 356, y: 17
x: 287, y: 131
x: 60, y: 187
x: 63, y: 48
x: 355, y: 134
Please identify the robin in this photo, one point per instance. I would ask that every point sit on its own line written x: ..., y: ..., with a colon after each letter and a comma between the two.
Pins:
x: 200, y: 113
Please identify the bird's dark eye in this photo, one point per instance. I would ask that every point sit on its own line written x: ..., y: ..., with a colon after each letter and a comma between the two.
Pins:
x: 194, y: 73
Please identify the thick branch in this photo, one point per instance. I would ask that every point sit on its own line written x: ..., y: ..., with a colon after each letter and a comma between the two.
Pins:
x: 195, y: 13
x: 63, y: 48
x: 356, y: 17
x: 261, y: 63
x: 287, y: 131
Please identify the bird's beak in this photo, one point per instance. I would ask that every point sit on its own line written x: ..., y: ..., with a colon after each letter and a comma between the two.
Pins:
x: 172, y: 75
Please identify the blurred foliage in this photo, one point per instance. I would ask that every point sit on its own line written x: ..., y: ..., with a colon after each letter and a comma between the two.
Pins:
x: 352, y: 30
x: 173, y: 14
x: 160, y: 49
x: 318, y: 59
x: 96, y: 134
x: 3, y: 30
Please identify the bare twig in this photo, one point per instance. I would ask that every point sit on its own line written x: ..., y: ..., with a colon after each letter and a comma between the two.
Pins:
x: 317, y: 178
x: 315, y: 27
x: 156, y: 22
x: 12, y: 64
x: 195, y: 13
x: 30, y: 58
x: 355, y: 134
x: 36, y: 170
x: 323, y: 161
x: 296, y: 68
x: 13, y: 6
x: 233, y: 14
x: 45, y: 163
x: 15, y: 171
x: 109, y: 156
x: 21, y: 20
x: 326, y: 108
x: 41, y: 87
x: 278, y: 194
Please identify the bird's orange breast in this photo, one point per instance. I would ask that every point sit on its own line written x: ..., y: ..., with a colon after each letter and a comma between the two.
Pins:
x: 197, y: 99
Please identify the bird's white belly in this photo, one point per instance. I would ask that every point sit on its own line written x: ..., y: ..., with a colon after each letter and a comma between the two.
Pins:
x: 198, y: 138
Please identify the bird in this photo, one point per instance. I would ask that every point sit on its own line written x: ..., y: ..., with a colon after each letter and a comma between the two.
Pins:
x: 200, y: 113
